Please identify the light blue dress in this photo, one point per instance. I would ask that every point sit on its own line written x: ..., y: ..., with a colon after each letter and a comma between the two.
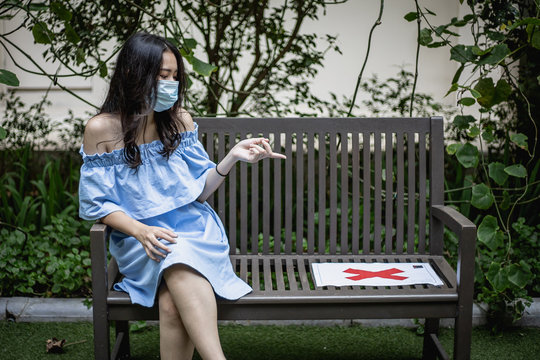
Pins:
x: 160, y: 193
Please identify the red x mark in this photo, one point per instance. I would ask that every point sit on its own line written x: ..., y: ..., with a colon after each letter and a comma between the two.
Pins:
x: 385, y: 274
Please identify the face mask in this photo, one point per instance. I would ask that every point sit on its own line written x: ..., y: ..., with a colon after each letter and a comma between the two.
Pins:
x: 167, y: 94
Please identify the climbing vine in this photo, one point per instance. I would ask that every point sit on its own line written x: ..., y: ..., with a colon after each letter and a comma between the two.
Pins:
x: 495, y: 150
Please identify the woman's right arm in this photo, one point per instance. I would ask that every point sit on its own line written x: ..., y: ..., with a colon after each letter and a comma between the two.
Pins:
x: 97, y: 134
x: 147, y: 235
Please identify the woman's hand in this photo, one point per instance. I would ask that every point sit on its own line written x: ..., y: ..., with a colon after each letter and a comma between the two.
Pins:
x: 253, y: 150
x: 149, y: 237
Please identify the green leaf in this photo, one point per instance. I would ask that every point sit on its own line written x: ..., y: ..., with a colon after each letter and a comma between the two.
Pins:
x: 498, y: 53
x: 437, y: 44
x: 486, y: 88
x: 455, y: 79
x: 491, y: 94
x: 41, y: 33
x: 424, y: 38
x: 56, y: 288
x: 61, y: 11
x: 8, y: 78
x: 37, y: 6
x: 516, y: 170
x: 200, y: 67
x: 3, y: 133
x: 487, y: 232
x: 430, y: 12
x: 462, y: 122
x: 526, y: 21
x: 190, y: 43
x: 496, y: 172
x: 80, y: 56
x: 475, y: 93
x: 71, y: 34
x: 498, y: 277
x: 467, y: 155
x: 453, y: 88
x: 103, y: 69
x: 174, y: 42
x: 473, y: 131
x: 460, y: 23
x: 467, y: 101
x: 413, y: 15
x: 496, y: 36
x: 51, y: 268
x: 482, y: 198
x: 505, y: 204
x: 520, y: 140
x: 462, y: 53
x: 479, y: 52
x: 487, y: 135
x: 453, y: 148
x: 502, y: 91
x: 519, y: 275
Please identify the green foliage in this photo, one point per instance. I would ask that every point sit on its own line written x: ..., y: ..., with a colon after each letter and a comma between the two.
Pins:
x: 493, y: 166
x: 387, y: 97
x: 8, y: 78
x: 267, y: 36
x: 52, y: 262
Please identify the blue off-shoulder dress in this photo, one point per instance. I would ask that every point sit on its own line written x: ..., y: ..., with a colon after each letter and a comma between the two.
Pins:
x: 162, y: 192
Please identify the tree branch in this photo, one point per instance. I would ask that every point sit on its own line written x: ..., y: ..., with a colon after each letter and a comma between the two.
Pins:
x: 359, y: 80
x: 418, y: 18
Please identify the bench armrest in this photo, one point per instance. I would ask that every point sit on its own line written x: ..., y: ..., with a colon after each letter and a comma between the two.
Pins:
x: 466, y: 232
x: 99, y: 233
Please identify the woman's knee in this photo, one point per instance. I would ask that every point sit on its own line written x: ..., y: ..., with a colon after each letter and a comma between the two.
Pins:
x: 167, y: 308
x: 180, y: 271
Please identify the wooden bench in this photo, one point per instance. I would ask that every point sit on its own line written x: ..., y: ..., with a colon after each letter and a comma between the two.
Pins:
x: 351, y: 190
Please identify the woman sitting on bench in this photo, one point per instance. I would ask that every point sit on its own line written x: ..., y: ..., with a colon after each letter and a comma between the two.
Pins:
x: 146, y: 175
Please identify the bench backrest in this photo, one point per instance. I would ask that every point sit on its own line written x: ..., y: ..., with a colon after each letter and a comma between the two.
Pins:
x: 353, y: 186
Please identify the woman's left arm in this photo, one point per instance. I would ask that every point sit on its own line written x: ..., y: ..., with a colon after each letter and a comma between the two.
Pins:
x: 248, y: 150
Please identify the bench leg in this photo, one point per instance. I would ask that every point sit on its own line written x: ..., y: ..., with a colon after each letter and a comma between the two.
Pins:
x: 463, y: 333
x: 431, y: 326
x: 101, y: 337
x: 121, y: 347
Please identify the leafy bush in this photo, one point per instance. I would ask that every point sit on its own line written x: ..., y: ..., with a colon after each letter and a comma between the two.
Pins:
x: 53, y: 262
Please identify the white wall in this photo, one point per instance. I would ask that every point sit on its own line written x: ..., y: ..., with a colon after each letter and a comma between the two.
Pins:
x: 393, y: 45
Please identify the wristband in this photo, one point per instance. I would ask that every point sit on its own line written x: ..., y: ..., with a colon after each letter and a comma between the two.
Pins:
x: 220, y: 174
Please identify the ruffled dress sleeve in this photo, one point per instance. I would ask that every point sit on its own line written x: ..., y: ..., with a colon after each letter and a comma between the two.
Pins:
x: 159, y: 185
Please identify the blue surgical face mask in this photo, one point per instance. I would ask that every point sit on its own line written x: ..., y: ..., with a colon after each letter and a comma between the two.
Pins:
x: 167, y: 95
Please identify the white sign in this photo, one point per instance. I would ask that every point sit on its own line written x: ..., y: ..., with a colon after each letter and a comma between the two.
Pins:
x: 374, y: 274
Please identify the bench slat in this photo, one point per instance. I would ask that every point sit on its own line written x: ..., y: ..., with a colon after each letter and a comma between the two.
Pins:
x: 322, y: 194
x: 366, y: 212
x: 355, y: 193
x: 411, y: 191
x: 333, y: 195
x: 389, y: 200
x: 400, y: 193
x: 278, y: 163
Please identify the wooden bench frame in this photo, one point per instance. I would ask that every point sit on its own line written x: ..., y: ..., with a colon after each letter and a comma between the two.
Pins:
x: 280, y: 271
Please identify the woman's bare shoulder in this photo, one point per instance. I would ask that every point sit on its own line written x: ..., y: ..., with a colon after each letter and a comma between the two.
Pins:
x: 100, y: 132
x: 186, y: 119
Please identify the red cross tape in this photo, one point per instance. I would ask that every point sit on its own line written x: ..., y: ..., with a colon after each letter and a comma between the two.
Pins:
x: 364, y: 274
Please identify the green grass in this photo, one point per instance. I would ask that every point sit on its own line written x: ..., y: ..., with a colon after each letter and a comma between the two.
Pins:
x: 26, y: 341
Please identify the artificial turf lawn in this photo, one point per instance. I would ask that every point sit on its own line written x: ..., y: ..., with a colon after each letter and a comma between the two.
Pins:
x: 26, y: 341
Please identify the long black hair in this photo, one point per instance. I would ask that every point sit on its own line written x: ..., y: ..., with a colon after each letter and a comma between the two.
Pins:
x: 134, y: 79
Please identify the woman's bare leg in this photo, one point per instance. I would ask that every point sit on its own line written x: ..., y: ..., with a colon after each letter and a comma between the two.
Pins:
x: 196, y: 304
x: 174, y: 341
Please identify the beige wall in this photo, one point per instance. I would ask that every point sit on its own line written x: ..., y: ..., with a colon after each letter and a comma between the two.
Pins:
x: 393, y: 45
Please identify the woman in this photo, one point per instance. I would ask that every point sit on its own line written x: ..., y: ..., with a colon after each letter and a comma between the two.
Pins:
x: 147, y: 176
